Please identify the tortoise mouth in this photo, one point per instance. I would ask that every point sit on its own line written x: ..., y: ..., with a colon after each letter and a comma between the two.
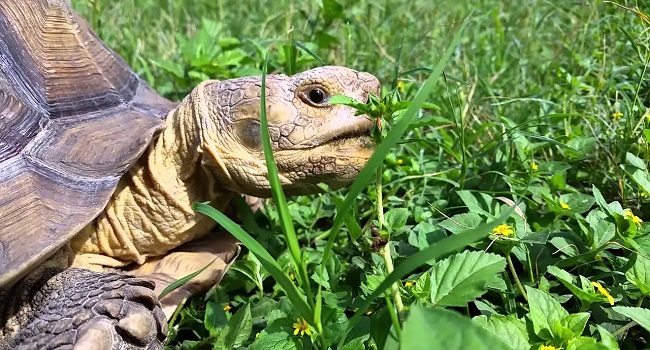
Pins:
x: 359, y: 133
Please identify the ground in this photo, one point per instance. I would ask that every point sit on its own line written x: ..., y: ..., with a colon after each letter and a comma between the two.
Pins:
x: 542, y: 106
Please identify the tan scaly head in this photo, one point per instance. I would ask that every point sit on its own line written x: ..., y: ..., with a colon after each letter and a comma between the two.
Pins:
x: 312, y: 140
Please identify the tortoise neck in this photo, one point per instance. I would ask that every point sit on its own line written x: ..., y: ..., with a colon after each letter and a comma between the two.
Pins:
x: 151, y: 211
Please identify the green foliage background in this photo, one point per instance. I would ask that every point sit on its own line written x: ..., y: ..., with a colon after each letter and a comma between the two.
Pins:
x: 543, y: 103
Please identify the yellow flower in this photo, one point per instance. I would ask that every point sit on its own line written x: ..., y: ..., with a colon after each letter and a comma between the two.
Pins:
x: 617, y: 115
x: 301, y: 326
x: 503, y: 230
x: 227, y: 307
x: 400, y: 85
x: 604, y: 292
x: 548, y: 347
x: 534, y: 166
x: 292, y: 276
x: 628, y: 214
x: 564, y: 205
x: 400, y: 162
x: 257, y: 335
x: 409, y: 284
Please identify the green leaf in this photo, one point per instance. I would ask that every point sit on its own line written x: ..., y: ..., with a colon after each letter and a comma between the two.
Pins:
x: 396, y: 218
x: 278, y: 335
x: 639, y: 274
x: 635, y: 161
x: 567, y: 281
x: 637, y: 314
x: 585, y: 343
x: 238, y: 329
x: 435, y: 328
x: 607, y: 338
x: 509, y: 329
x: 215, y: 318
x: 462, y: 277
x: 544, y: 312
x: 575, y: 323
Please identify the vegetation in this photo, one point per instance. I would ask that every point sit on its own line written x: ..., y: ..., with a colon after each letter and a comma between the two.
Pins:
x: 506, y: 205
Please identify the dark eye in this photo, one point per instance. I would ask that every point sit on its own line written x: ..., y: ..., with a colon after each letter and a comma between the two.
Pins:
x: 316, y: 96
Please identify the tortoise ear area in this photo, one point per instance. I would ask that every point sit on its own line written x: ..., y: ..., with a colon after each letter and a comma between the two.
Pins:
x: 248, y: 132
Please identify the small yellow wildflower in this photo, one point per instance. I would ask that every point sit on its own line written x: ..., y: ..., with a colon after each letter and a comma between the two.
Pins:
x: 548, y: 347
x: 534, y: 166
x: 503, y: 230
x: 400, y: 85
x: 617, y: 115
x: 227, y: 307
x: 400, y: 161
x: 409, y: 284
x: 292, y: 276
x: 564, y: 205
x: 257, y: 335
x: 628, y: 214
x: 604, y: 292
x: 301, y: 326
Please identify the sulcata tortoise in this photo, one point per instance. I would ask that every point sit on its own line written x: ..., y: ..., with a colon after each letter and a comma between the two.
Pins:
x: 98, y: 174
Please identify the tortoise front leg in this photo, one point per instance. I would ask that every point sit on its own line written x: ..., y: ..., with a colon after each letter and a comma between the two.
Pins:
x: 81, y: 309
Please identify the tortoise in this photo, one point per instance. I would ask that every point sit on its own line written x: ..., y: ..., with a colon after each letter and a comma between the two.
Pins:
x: 98, y: 174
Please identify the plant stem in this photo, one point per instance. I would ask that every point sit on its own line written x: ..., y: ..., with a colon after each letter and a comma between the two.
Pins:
x: 514, y: 276
x: 385, y: 249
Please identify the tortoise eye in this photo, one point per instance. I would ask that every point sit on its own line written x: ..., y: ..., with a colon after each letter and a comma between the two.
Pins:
x: 315, y: 96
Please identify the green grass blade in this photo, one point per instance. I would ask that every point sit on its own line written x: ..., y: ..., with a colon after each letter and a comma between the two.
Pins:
x: 286, y: 221
x: 394, y: 136
x: 296, y: 297
x: 181, y: 281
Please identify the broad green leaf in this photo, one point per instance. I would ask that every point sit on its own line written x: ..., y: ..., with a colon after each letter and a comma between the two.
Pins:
x: 462, y: 222
x: 635, y: 161
x: 435, y: 328
x: 575, y: 323
x: 238, y: 329
x: 509, y: 329
x: 544, y: 312
x: 585, y: 343
x: 215, y: 318
x: 396, y: 218
x: 639, y: 274
x: 638, y: 314
x: 278, y: 335
x: 607, y: 338
x: 462, y: 277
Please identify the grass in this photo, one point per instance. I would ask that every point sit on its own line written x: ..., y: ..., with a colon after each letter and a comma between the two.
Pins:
x: 543, y: 104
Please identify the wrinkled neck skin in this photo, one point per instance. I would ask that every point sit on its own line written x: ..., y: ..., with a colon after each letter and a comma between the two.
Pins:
x: 151, y: 212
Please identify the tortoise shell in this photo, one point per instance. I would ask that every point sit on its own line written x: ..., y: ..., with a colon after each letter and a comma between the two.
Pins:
x: 73, y: 118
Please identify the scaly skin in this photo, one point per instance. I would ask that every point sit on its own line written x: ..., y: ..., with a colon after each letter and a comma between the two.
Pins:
x: 211, y: 149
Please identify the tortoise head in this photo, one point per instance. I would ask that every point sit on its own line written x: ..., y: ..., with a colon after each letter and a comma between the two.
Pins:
x: 313, y: 141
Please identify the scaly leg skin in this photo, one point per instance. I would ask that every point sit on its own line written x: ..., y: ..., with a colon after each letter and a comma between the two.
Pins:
x: 81, y: 309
